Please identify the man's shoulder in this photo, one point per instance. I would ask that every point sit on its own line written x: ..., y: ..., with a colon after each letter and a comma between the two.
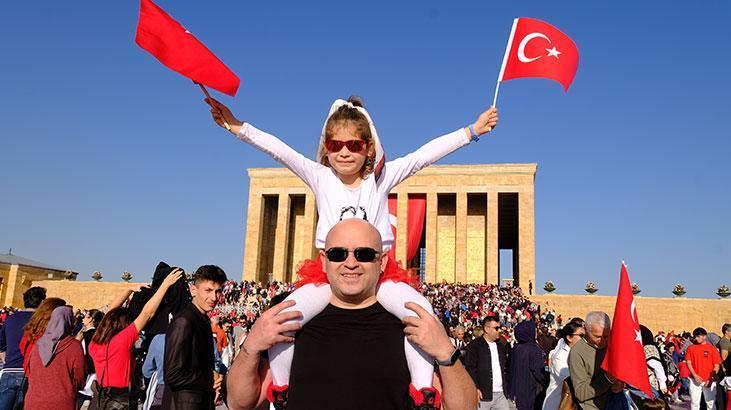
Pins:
x: 724, y: 344
x: 581, y: 348
x: 476, y: 342
x: 186, y: 316
x: 20, y: 317
x: 692, y: 349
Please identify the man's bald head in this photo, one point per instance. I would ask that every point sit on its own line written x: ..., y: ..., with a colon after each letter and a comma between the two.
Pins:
x: 355, y: 227
x: 353, y: 282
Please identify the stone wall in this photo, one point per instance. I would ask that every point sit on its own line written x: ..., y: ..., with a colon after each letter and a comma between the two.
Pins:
x: 84, y: 294
x: 655, y: 313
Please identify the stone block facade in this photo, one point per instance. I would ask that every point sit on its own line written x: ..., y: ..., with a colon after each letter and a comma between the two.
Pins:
x: 472, y: 211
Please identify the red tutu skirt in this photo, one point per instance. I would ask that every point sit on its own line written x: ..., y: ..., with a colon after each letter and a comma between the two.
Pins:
x: 310, y: 271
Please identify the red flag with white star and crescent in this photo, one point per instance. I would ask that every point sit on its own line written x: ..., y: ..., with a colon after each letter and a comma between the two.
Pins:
x: 625, y: 358
x: 537, y: 49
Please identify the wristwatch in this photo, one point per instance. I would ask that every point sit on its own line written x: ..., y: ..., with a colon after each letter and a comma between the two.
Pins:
x: 452, y: 359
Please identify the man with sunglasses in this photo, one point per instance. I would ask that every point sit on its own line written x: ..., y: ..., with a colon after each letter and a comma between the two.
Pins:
x: 485, y: 360
x: 351, y: 355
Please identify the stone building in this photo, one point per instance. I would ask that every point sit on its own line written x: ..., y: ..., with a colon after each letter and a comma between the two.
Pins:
x: 17, y: 275
x: 472, y: 213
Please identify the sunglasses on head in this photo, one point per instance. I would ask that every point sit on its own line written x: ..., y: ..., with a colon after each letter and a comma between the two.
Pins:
x: 352, y: 145
x: 339, y: 254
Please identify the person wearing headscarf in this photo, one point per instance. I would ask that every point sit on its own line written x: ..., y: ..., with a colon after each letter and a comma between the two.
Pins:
x: 526, y: 373
x: 56, y: 368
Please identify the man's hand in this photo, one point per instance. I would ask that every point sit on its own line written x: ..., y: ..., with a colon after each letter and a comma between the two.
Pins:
x: 698, y: 380
x: 272, y: 328
x: 426, y: 332
x: 486, y: 121
x: 617, y: 386
x: 217, y: 383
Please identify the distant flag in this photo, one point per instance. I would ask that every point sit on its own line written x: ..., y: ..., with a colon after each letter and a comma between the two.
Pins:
x: 625, y: 357
x: 537, y: 49
x: 179, y: 50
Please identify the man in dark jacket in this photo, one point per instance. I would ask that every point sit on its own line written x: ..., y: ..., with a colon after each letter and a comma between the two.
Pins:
x: 527, y: 364
x: 188, y: 364
x: 485, y: 361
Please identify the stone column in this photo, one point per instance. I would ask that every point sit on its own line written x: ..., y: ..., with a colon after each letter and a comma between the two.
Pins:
x: 281, y: 237
x: 310, y: 226
x: 402, y: 229
x: 526, y: 240
x: 252, y: 243
x: 492, y: 253
x: 12, y: 285
x: 460, y: 251
x: 431, y: 237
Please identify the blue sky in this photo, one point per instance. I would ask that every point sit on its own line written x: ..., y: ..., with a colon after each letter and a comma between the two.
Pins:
x: 110, y: 161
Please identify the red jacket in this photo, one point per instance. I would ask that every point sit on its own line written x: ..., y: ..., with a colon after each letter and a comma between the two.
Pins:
x: 55, y: 387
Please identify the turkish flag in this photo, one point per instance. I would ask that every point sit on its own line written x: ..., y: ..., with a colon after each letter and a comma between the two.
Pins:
x: 537, y: 49
x: 180, y: 51
x: 625, y: 358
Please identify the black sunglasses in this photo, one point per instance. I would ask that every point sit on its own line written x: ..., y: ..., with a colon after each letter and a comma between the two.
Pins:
x: 339, y: 254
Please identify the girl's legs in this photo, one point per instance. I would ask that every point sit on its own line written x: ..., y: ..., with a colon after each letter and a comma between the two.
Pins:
x: 392, y: 296
x: 311, y: 300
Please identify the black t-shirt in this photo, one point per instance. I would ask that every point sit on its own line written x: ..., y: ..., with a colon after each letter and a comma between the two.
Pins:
x: 350, y: 359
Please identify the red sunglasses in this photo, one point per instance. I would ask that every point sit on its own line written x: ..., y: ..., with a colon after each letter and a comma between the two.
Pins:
x: 354, y: 146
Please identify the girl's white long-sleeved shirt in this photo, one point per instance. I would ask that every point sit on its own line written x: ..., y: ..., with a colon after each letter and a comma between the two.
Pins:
x: 369, y: 200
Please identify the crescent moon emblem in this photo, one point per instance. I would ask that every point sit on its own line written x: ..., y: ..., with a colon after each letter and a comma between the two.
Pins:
x: 521, y: 47
x: 632, y: 311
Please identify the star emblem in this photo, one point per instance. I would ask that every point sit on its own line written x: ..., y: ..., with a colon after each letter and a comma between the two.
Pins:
x: 638, y: 336
x: 552, y: 52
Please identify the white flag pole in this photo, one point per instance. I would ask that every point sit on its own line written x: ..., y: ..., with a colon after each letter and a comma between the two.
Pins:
x: 505, y: 60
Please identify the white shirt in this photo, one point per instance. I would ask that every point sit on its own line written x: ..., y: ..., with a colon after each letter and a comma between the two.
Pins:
x: 497, y: 374
x: 367, y: 201
x: 559, y: 371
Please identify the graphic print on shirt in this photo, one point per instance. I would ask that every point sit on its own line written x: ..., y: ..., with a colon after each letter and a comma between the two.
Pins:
x: 353, y: 211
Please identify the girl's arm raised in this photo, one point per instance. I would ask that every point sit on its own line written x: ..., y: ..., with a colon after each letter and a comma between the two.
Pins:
x: 302, y: 166
x: 436, y: 149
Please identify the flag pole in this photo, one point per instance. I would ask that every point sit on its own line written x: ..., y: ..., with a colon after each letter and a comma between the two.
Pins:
x: 205, y: 91
x: 497, y: 88
x: 505, y: 60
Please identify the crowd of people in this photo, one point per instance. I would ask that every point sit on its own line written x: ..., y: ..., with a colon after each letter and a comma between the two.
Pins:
x: 534, y: 349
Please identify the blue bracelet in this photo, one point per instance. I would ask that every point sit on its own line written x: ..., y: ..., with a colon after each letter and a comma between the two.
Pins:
x: 473, y: 134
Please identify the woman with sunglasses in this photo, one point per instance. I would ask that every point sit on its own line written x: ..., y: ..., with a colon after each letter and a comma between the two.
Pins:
x: 558, y: 361
x: 350, y: 179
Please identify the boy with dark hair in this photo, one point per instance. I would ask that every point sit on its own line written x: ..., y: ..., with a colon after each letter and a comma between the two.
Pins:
x: 189, y: 360
x: 703, y: 362
x: 10, y: 336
